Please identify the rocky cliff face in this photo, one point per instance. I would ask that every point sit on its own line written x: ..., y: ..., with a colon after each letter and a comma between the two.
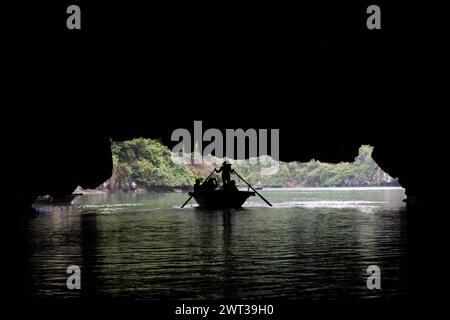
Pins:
x: 382, y: 178
x: 379, y: 178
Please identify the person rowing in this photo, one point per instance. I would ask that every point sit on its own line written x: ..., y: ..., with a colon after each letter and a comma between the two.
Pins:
x: 226, y: 172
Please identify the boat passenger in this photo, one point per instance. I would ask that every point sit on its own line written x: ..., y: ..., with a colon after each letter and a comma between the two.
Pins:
x: 230, y: 187
x: 210, y: 184
x: 197, y: 186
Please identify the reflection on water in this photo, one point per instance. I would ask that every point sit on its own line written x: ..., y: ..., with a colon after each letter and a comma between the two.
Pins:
x: 313, y: 244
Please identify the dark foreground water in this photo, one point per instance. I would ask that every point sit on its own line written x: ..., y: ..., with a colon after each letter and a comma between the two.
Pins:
x: 313, y: 244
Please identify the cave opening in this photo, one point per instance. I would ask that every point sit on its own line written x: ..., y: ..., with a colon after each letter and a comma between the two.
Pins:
x: 143, y: 164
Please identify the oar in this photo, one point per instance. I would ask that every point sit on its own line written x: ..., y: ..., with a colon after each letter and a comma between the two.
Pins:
x: 202, y: 183
x: 265, y: 200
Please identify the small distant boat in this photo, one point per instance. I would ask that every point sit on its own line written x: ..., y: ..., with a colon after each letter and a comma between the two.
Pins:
x: 219, y: 199
x: 258, y: 186
x: 67, y: 199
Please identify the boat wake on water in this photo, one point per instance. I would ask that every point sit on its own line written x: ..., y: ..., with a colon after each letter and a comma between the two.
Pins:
x: 115, y: 208
x: 363, y: 206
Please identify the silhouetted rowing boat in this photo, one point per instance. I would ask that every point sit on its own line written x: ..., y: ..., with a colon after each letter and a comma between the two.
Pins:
x: 219, y: 199
x: 229, y: 197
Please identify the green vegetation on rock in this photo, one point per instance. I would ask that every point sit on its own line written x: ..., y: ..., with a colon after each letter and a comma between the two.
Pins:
x: 147, y: 163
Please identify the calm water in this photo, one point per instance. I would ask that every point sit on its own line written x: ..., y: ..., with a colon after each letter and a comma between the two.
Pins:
x: 313, y: 244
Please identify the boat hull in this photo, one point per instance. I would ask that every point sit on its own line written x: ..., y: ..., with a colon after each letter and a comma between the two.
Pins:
x: 218, y: 199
